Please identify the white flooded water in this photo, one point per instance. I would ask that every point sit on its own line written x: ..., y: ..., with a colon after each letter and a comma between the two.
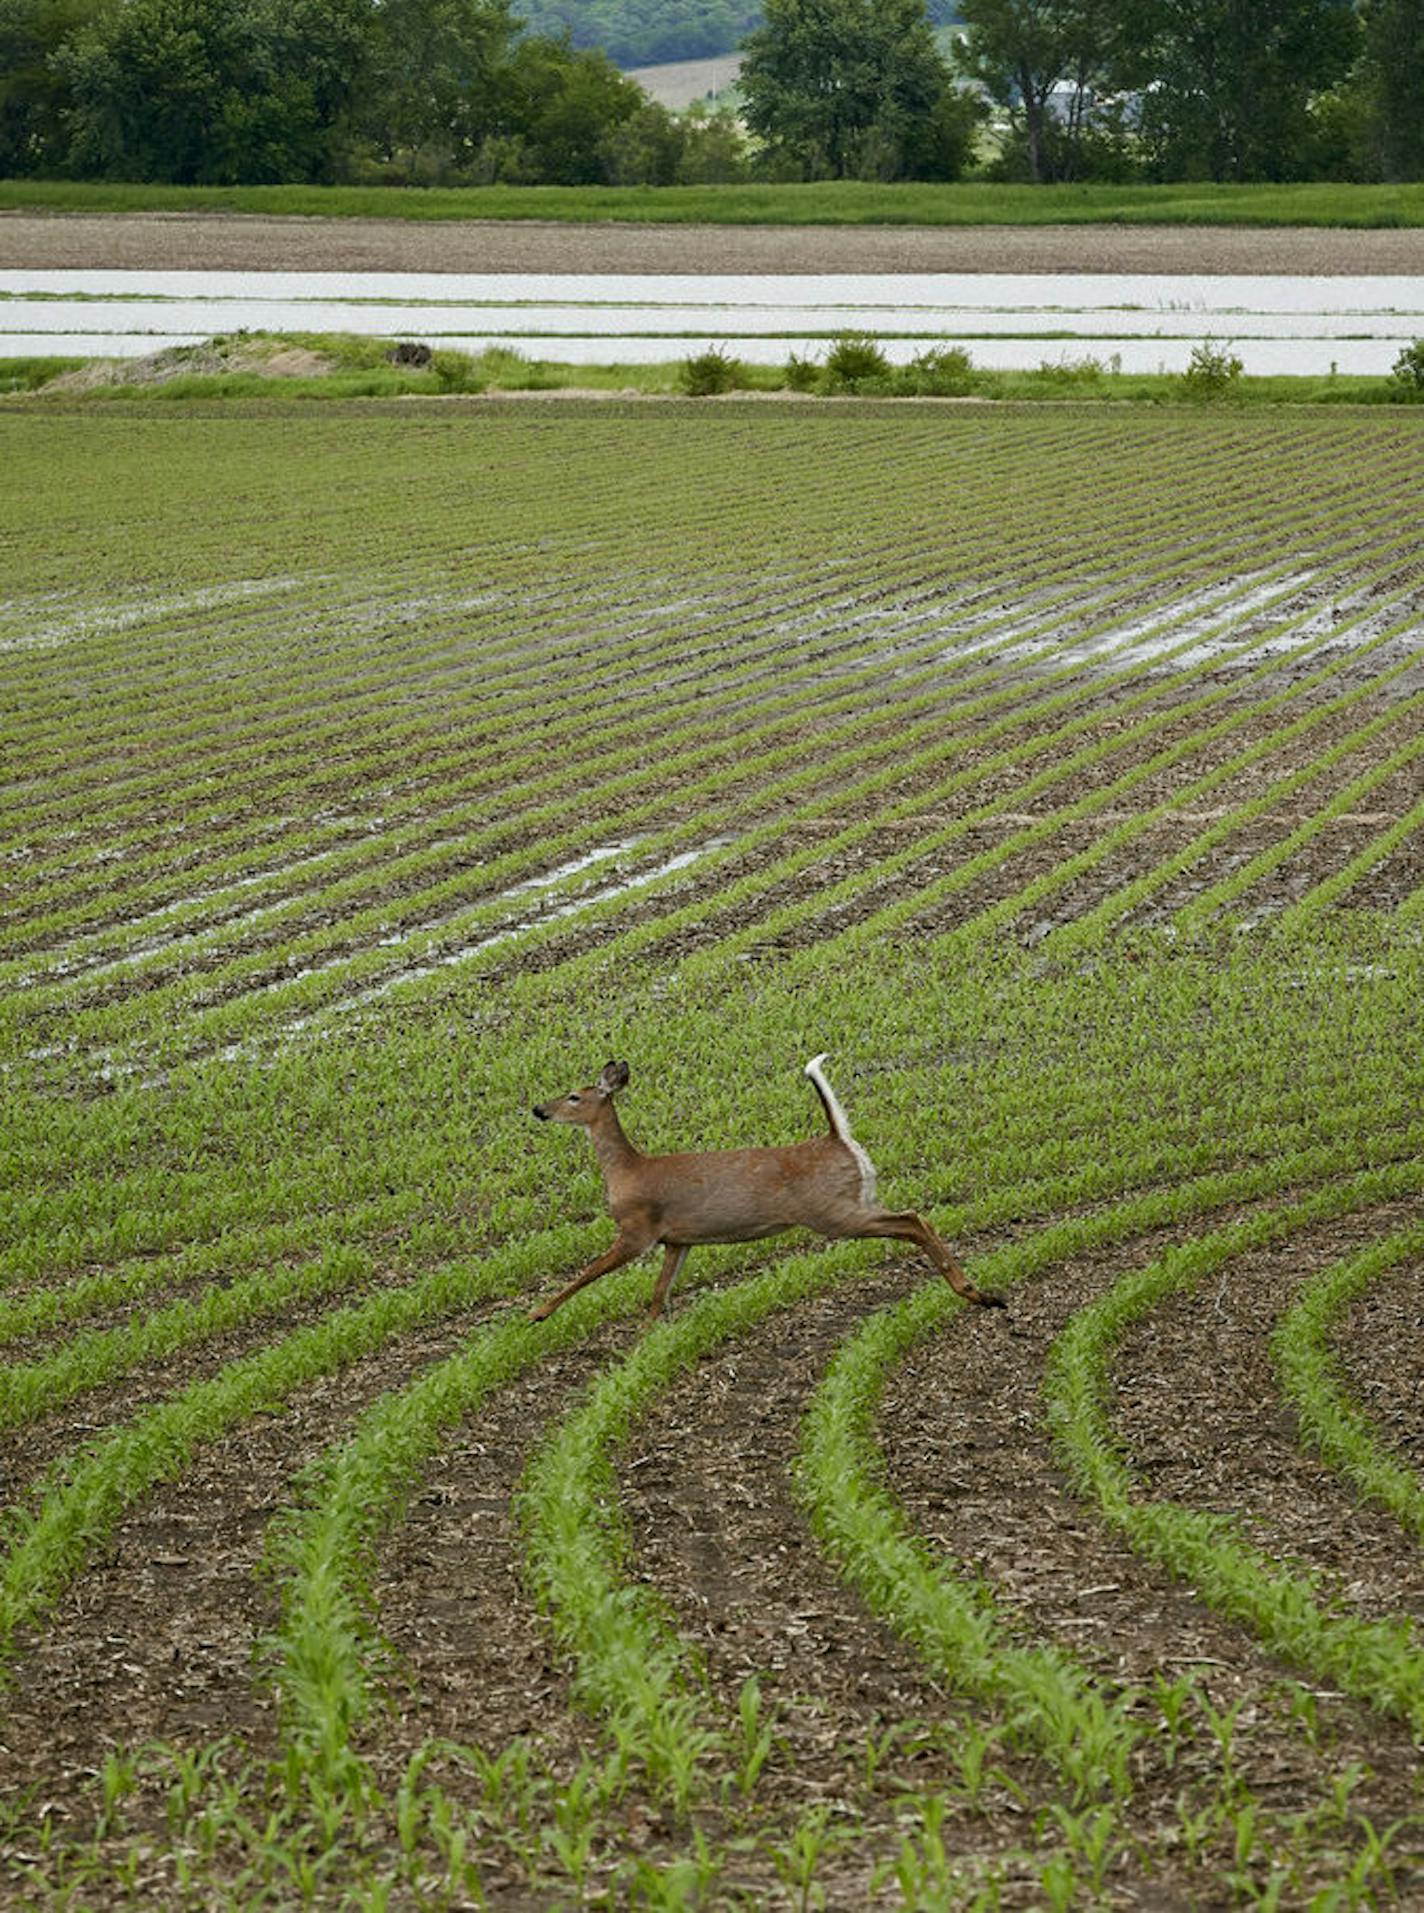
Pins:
x: 1148, y: 322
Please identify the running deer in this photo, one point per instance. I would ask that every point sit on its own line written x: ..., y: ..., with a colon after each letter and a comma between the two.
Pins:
x: 733, y: 1195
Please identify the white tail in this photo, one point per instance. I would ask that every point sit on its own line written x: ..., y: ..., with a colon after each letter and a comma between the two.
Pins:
x: 836, y: 1117
x: 733, y: 1195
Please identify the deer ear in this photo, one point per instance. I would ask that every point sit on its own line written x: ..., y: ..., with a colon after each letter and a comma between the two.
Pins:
x: 614, y: 1076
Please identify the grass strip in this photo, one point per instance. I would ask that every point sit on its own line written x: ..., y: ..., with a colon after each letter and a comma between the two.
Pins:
x: 1379, y: 1662
x: 631, y: 1667
x: 321, y: 1652
x: 1329, y: 1420
x: 818, y: 203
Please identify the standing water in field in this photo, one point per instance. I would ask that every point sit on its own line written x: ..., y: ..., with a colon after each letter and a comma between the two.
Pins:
x: 1146, y: 322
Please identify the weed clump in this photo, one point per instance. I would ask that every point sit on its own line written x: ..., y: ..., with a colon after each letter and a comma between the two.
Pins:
x: 943, y: 372
x: 704, y: 374
x: 1407, y: 374
x: 455, y: 371
x: 854, y: 362
x: 1213, y: 372
x: 801, y: 375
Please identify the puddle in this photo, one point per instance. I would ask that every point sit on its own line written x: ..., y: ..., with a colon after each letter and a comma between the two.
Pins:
x: 101, y: 621
x: 452, y: 958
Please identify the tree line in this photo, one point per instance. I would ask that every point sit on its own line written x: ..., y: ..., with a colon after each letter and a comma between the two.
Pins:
x: 459, y: 91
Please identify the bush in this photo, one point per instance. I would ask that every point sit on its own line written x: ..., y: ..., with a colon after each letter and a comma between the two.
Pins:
x: 855, y: 360
x: 801, y: 375
x: 1212, y: 372
x: 1408, y: 372
x: 944, y: 372
x: 707, y: 373
x: 455, y: 371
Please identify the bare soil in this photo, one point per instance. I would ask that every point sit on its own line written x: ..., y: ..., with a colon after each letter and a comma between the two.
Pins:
x: 249, y: 242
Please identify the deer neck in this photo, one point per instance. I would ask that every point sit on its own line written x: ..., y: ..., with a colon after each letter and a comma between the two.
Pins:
x: 616, y: 1155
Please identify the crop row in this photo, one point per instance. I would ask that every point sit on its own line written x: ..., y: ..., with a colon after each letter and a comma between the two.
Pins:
x: 1032, y: 767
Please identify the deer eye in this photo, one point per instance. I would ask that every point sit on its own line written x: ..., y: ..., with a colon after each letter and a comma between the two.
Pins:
x: 575, y: 1097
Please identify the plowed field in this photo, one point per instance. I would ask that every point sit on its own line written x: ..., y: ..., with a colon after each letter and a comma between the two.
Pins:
x: 373, y: 773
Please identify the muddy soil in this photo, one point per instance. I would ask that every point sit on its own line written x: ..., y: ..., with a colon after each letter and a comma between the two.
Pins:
x: 971, y: 1458
x: 246, y: 242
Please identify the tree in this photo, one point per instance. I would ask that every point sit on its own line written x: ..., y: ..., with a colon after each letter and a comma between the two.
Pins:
x: 561, y: 108
x: 1392, y: 85
x: 34, y: 93
x: 201, y: 91
x: 1025, y: 51
x: 1228, y: 85
x: 436, y: 73
x: 853, y: 89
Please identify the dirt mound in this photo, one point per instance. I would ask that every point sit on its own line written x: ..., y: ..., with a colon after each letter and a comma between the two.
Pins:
x: 269, y: 358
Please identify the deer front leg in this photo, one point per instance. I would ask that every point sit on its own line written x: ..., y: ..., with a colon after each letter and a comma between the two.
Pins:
x: 626, y: 1249
x: 906, y: 1226
x: 674, y: 1255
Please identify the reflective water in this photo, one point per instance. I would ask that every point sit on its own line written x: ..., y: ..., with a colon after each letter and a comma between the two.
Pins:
x: 1149, y: 322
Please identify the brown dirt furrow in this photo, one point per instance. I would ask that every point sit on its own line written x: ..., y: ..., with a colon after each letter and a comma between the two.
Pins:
x: 88, y: 1416
x: 1380, y: 1349
x: 706, y: 1488
x: 1198, y: 1405
x: 156, y: 1639
x: 246, y: 242
x: 974, y: 1468
x: 474, y: 1659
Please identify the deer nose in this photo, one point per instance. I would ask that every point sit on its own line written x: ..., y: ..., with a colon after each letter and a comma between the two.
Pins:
x: 542, y: 1114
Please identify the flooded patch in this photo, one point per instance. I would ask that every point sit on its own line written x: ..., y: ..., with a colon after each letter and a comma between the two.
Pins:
x: 1286, y: 323
x: 102, y: 620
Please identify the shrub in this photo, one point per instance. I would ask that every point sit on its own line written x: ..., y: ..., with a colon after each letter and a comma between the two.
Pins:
x: 801, y: 375
x: 705, y: 374
x: 1408, y: 372
x: 853, y: 361
x: 455, y: 371
x: 1212, y: 372
x: 944, y: 372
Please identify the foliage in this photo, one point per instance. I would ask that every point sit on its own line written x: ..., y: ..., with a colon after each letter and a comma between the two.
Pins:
x: 853, y: 361
x: 705, y: 374
x: 1028, y: 56
x: 1407, y: 372
x: 645, y: 32
x: 854, y: 89
x: 1213, y: 372
x: 1228, y: 85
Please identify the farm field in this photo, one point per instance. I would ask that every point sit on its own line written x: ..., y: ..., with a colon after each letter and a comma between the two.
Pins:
x: 372, y: 775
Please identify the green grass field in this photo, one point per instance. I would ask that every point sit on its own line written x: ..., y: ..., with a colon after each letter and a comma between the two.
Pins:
x: 373, y: 773
x: 823, y: 203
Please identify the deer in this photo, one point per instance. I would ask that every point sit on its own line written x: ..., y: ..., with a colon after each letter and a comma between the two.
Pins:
x: 733, y: 1195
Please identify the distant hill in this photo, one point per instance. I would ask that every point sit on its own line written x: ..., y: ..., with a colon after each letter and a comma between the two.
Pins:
x: 650, y: 32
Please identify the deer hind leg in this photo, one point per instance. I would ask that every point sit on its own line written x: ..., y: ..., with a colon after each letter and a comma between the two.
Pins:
x: 674, y: 1255
x: 906, y: 1226
x: 626, y: 1249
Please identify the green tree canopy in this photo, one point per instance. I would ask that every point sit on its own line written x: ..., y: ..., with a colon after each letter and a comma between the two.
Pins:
x: 854, y: 88
x: 1228, y: 84
x: 202, y: 91
x: 1047, y: 62
x: 1392, y: 84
